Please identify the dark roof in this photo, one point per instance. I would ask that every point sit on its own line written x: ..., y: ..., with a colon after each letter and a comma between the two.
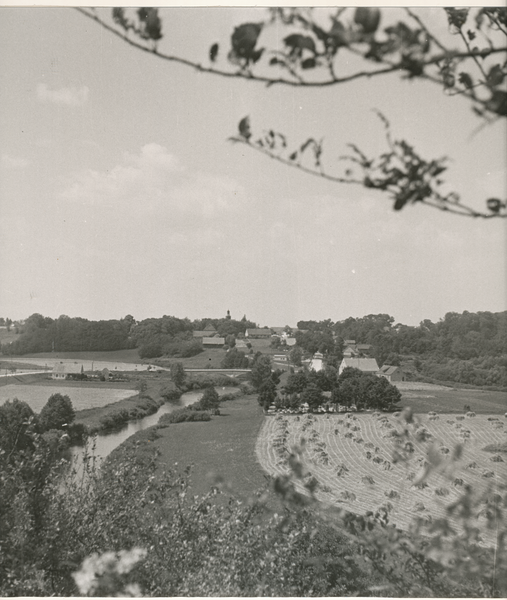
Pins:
x: 67, y: 368
x: 266, y: 332
x: 363, y: 364
x: 388, y: 369
x: 213, y: 341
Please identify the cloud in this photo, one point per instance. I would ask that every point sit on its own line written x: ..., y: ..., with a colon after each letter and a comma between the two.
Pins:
x: 154, y: 181
x: 13, y: 162
x: 66, y: 96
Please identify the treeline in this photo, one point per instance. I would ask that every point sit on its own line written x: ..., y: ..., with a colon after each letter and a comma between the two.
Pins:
x: 154, y: 337
x: 468, y: 348
x: 170, y: 336
x: 66, y: 334
x: 461, y: 336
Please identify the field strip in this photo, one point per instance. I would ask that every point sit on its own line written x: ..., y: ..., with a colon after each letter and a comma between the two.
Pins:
x: 351, y: 458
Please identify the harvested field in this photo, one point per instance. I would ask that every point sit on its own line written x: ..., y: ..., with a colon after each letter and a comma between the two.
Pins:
x: 351, y: 458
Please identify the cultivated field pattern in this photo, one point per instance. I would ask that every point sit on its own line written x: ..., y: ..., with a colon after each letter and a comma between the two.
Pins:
x: 351, y: 456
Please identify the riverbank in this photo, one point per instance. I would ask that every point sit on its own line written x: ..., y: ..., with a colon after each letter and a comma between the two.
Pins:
x: 223, y: 447
x: 145, y: 401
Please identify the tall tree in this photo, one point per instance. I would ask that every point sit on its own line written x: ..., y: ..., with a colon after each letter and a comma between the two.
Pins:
x: 56, y: 413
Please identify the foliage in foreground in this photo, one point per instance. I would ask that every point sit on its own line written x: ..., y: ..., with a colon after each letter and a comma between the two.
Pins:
x: 55, y: 524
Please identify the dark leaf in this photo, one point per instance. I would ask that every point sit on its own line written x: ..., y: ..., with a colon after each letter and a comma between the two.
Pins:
x: 338, y: 36
x: 257, y: 54
x: 293, y: 156
x: 299, y: 42
x: 244, y: 39
x: 367, y: 18
x: 213, y: 52
x: 457, y: 18
x: 466, y: 80
x: 498, y: 103
x: 496, y: 75
x: 244, y: 128
x: 309, y: 63
x: 153, y: 24
x: 494, y: 205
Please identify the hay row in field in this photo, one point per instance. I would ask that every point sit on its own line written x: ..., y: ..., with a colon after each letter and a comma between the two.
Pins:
x: 352, y: 459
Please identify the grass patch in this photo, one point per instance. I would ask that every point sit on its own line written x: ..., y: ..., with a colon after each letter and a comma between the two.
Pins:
x: 223, y: 447
x: 437, y: 398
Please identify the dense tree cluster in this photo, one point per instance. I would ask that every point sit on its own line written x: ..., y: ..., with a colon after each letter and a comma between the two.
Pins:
x: 235, y: 359
x: 352, y: 388
x: 225, y: 326
x: 464, y: 348
x: 65, y: 334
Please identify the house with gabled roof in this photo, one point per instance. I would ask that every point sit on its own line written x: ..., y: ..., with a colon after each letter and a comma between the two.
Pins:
x: 366, y: 365
x: 213, y: 342
x: 391, y: 373
x: 258, y: 333
x: 65, y: 370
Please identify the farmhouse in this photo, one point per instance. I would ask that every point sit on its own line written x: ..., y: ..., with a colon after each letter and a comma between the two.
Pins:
x: 353, y: 350
x: 366, y: 365
x: 391, y: 373
x: 258, y: 333
x: 241, y: 345
x: 316, y: 362
x: 213, y: 342
x: 63, y: 371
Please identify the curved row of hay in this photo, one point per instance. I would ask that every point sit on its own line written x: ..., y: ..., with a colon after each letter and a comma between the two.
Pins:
x: 352, y: 459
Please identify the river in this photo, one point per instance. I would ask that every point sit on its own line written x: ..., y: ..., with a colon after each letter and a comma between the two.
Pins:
x: 105, y: 443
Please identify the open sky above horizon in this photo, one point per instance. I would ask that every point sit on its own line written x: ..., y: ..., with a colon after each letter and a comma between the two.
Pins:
x: 120, y: 194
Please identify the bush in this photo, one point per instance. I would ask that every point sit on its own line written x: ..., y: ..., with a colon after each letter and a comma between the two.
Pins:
x: 114, y: 420
x: 181, y: 416
x: 150, y: 350
x: 56, y: 413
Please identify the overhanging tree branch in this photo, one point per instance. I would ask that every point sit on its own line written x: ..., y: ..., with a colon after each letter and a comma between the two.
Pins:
x: 312, y: 47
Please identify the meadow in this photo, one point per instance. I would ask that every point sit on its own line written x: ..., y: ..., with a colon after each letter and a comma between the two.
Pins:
x: 81, y: 397
x: 351, y: 456
x: 425, y: 397
x: 223, y: 447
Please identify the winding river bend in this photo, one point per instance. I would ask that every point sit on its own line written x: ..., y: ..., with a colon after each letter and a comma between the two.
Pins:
x: 106, y: 443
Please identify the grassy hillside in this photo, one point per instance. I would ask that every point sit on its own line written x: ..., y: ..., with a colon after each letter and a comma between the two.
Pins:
x: 224, y: 446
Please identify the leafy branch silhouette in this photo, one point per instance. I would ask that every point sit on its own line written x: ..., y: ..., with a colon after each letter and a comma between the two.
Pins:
x: 308, y: 52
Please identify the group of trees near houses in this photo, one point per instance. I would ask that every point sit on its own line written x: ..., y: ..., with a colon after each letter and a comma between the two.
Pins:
x: 466, y: 348
x: 154, y: 337
x: 352, y: 388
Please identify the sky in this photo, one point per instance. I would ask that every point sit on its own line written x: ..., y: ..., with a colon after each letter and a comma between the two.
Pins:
x: 121, y: 194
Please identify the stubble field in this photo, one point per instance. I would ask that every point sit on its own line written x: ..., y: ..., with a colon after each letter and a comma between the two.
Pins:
x: 352, y: 459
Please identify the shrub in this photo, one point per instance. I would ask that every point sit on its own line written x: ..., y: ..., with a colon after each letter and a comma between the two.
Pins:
x: 183, y: 415
x: 56, y: 413
x: 171, y: 395
x: 114, y: 420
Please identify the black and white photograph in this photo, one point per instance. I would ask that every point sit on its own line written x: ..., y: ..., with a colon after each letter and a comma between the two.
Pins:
x: 253, y: 301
